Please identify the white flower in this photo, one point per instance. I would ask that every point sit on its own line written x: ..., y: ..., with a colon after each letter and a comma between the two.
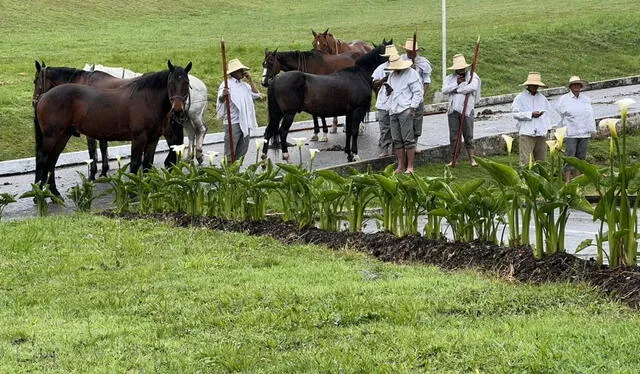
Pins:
x: 509, y: 140
x: 610, y: 123
x: 553, y: 145
x: 178, y: 148
x: 259, y: 143
x: 313, y: 152
x: 625, y: 103
x: 89, y: 161
x: 211, y: 155
x: 299, y: 141
x: 119, y: 157
x: 560, y: 133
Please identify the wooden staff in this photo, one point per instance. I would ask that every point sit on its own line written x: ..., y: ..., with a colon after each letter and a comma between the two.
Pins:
x: 415, y: 44
x: 227, y: 103
x: 463, y: 118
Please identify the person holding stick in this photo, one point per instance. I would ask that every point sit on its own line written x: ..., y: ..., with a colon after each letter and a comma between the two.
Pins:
x: 530, y: 109
x: 463, y: 88
x: 241, y: 95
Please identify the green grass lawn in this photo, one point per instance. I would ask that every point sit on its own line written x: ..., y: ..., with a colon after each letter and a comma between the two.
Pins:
x: 113, y: 296
x: 596, y: 39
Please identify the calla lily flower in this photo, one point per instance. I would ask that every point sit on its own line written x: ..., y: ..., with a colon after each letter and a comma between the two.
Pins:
x: 553, y: 145
x: 89, y: 161
x: 260, y: 143
x: 611, y: 124
x: 509, y: 140
x: 530, y: 160
x: 560, y: 133
x: 313, y: 152
x: 299, y: 141
x: 178, y: 148
x: 211, y: 155
x: 625, y: 103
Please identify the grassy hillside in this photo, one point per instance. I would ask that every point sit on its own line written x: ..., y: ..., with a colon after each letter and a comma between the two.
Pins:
x: 112, y: 296
x: 596, y: 39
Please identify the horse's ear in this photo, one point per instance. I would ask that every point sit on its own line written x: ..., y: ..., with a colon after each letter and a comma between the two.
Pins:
x: 93, y: 67
x: 38, y: 67
x: 275, y: 50
x: 326, y: 31
x: 315, y: 35
x: 186, y: 70
x: 390, y: 41
x: 170, y: 65
x: 43, y: 64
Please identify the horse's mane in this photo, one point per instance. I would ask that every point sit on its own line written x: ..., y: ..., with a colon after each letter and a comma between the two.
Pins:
x: 64, y: 73
x: 303, y: 55
x: 369, y: 60
x: 153, y: 80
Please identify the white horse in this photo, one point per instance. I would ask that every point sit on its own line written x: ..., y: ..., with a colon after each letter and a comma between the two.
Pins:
x: 197, y: 105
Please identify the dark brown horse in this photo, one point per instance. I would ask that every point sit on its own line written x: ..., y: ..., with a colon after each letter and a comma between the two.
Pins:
x: 48, y: 77
x: 346, y: 92
x: 140, y: 111
x: 327, y: 43
x: 313, y: 62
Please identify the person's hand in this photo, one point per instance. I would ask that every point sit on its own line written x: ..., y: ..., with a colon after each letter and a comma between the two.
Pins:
x: 388, y: 88
x: 537, y: 114
x: 248, y: 76
x: 460, y: 78
x: 225, y: 92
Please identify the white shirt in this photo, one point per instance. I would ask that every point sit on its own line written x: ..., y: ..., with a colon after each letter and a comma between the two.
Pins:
x: 241, y: 104
x: 382, y: 100
x: 407, y: 90
x: 457, y: 92
x: 577, y: 114
x: 522, y: 108
x: 422, y: 66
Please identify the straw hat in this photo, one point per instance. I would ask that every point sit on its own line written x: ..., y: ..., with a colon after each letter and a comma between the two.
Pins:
x: 459, y: 62
x: 576, y: 79
x: 235, y: 65
x: 396, y: 63
x: 408, y: 45
x: 533, y: 79
x: 389, y: 51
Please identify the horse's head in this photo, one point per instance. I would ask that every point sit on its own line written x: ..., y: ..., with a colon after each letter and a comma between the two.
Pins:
x: 270, y: 66
x: 178, y: 86
x: 42, y: 83
x: 324, y: 42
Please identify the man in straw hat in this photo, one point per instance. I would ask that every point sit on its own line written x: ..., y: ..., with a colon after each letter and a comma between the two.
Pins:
x: 423, y: 67
x: 530, y: 108
x: 576, y: 113
x: 379, y: 77
x: 458, y: 85
x: 243, y: 114
x: 405, y: 90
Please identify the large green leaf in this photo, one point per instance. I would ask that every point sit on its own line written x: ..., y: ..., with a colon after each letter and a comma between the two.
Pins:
x: 503, y: 174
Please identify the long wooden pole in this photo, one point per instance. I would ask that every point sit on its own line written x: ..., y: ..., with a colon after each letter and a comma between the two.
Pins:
x: 463, y: 118
x: 415, y: 44
x: 227, y: 103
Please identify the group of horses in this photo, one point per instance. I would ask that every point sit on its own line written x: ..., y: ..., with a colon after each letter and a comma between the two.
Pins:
x: 108, y: 104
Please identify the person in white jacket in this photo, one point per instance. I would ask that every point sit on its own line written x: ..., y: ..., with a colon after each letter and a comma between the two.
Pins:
x: 243, y: 113
x: 576, y: 113
x: 530, y: 108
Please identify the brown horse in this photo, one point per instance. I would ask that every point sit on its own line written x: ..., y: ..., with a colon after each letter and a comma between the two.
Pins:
x: 327, y: 43
x: 140, y: 111
x: 312, y: 62
x: 48, y: 77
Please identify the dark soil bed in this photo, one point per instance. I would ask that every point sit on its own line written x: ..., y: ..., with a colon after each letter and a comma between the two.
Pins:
x: 511, y: 263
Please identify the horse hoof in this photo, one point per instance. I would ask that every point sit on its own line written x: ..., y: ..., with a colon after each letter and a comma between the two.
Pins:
x: 263, y: 157
x: 285, y: 156
x: 324, y: 139
x: 361, y: 129
x: 200, y: 160
x: 314, y: 138
x: 356, y: 158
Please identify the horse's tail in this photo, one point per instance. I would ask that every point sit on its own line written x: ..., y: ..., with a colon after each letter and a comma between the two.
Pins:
x: 275, y: 113
x: 37, y: 130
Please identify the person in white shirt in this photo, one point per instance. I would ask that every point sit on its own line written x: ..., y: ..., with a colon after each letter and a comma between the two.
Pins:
x: 423, y: 67
x: 530, y: 109
x: 243, y: 114
x: 380, y: 76
x: 576, y: 113
x: 405, y: 90
x: 458, y: 86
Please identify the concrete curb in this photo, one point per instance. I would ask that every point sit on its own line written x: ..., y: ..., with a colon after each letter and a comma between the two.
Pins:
x: 27, y: 165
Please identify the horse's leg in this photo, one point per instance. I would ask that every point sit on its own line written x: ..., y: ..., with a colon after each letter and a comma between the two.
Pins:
x: 356, y: 119
x: 149, y: 153
x: 325, y: 130
x: 137, y: 148
x: 91, y: 147
x: 189, y: 130
x: 334, y: 126
x: 349, y: 134
x: 287, y: 120
x: 316, y: 129
x: 201, y: 132
x: 104, y: 152
x: 52, y: 161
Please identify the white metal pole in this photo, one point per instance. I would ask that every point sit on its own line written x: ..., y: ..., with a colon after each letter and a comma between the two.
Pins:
x: 444, y: 40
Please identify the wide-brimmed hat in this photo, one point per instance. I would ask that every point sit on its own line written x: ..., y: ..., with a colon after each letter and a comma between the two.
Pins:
x: 459, y: 62
x: 235, y: 65
x: 533, y: 79
x: 408, y: 46
x: 389, y: 51
x: 396, y: 63
x: 576, y: 79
